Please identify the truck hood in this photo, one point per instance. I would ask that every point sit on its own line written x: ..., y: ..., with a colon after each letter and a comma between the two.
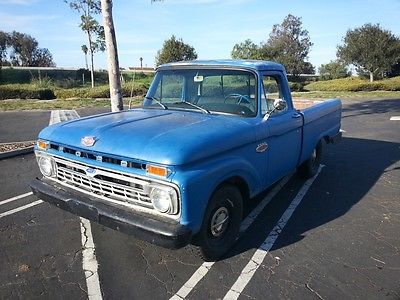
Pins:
x: 158, y: 136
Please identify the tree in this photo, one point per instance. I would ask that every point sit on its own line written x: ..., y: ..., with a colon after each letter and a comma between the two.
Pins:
x: 112, y: 57
x: 4, y: 44
x: 370, y: 49
x: 94, y: 31
x: 85, y: 51
x: 25, y: 51
x: 290, y: 45
x: 23, y: 47
x: 333, y: 70
x: 174, y: 50
x: 246, y: 50
x: 42, y: 58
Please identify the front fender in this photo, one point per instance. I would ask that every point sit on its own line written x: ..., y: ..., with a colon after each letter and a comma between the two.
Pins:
x: 199, y: 181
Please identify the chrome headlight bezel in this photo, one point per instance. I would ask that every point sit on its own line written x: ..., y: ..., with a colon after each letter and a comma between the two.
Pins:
x: 47, y: 165
x: 164, y: 199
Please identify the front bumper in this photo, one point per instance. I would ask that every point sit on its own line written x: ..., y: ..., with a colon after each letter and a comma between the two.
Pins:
x: 167, y: 234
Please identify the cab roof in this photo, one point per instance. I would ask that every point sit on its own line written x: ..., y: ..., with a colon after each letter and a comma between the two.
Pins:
x: 256, y: 65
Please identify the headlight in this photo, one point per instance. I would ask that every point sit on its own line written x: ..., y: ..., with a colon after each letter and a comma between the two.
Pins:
x: 164, y: 199
x: 47, y: 166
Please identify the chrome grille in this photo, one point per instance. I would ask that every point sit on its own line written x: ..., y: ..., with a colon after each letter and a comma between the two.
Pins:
x: 108, y: 185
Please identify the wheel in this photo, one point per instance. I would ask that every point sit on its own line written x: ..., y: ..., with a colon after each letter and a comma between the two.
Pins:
x: 221, y: 223
x: 310, y: 167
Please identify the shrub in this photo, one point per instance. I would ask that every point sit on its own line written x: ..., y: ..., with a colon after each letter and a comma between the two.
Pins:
x: 102, y: 91
x: 296, y: 86
x: 25, y: 91
x: 354, y: 84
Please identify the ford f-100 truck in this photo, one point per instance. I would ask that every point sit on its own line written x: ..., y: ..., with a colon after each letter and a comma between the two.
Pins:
x: 209, y: 137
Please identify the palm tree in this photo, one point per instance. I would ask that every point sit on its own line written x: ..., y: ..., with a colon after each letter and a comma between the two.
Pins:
x: 85, y: 50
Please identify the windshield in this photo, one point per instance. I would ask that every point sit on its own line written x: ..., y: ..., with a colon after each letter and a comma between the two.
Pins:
x: 205, y: 91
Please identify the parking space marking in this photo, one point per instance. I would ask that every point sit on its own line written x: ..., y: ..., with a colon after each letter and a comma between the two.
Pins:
x: 89, y: 261
x: 62, y: 115
x: 395, y: 118
x: 15, y: 198
x: 13, y: 211
x: 206, y: 266
x: 258, y: 257
x: 260, y: 207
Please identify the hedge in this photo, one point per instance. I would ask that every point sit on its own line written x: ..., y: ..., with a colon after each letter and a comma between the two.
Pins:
x: 353, y: 84
x: 30, y: 91
x: 102, y: 91
x: 25, y: 91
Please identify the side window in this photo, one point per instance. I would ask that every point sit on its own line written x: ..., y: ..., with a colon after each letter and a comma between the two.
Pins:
x: 272, y: 90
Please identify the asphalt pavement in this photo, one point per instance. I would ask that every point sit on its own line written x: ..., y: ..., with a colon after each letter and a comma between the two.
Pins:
x: 341, y: 241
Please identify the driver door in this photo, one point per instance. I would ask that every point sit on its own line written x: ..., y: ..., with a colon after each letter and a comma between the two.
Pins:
x: 284, y: 127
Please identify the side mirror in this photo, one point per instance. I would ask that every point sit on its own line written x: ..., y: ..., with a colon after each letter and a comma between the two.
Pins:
x: 280, y: 104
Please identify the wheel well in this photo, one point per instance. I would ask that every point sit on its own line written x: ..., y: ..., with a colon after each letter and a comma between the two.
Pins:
x: 241, y: 184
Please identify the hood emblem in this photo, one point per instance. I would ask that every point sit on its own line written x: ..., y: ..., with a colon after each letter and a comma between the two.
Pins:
x: 262, y: 147
x: 88, y: 141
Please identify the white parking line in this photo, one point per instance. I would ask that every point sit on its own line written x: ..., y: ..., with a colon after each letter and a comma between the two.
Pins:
x: 205, y: 267
x: 62, y: 115
x: 13, y: 211
x: 258, y: 257
x: 15, y: 198
x: 395, y: 118
x: 89, y: 261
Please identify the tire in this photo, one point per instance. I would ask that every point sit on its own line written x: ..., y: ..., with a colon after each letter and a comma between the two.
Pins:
x: 310, y: 167
x: 226, y: 206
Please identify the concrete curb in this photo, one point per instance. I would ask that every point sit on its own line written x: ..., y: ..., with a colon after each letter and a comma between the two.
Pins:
x: 18, y: 152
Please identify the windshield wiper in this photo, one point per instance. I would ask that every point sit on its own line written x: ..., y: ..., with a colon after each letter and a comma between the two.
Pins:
x: 157, y: 101
x: 195, y: 106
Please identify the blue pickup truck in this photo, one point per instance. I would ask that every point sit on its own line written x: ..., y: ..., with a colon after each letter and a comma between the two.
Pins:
x: 209, y: 137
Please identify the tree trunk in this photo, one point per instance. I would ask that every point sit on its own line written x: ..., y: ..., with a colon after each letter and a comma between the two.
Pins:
x: 91, y: 58
x: 371, y: 76
x: 112, y: 57
x: 87, y: 67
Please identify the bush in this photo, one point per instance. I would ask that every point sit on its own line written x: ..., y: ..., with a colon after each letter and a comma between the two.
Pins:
x: 354, y: 84
x: 102, y: 91
x: 25, y: 91
x: 296, y: 86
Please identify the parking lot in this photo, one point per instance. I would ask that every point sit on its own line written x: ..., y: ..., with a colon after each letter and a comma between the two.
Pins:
x: 335, y: 236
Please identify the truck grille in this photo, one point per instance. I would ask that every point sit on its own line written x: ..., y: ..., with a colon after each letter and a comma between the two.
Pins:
x: 108, y: 185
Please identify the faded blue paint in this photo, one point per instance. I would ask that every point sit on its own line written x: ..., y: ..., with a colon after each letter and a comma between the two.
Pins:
x: 204, y: 150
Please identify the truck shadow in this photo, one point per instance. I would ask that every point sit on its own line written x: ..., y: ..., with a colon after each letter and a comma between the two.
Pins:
x: 371, y: 107
x: 352, y: 168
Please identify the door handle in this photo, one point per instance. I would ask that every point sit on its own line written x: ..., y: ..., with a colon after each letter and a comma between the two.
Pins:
x: 296, y: 115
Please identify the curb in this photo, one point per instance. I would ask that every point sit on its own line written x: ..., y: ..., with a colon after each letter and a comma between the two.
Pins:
x: 18, y: 152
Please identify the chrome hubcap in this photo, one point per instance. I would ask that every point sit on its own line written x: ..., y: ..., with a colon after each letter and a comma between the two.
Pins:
x: 219, y: 221
x: 314, y: 156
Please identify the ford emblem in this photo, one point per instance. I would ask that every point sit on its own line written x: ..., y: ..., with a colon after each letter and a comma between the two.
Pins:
x: 90, y: 171
x: 88, y: 141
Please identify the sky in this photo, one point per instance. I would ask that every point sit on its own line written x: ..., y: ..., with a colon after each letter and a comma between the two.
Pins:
x: 212, y: 27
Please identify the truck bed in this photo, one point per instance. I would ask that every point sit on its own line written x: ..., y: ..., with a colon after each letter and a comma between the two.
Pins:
x: 301, y: 104
x: 321, y: 121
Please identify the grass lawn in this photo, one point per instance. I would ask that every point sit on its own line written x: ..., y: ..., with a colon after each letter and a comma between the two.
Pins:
x: 25, y: 104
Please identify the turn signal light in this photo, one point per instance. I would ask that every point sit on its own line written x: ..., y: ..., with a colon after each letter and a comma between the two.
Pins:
x: 43, y: 145
x: 155, y: 170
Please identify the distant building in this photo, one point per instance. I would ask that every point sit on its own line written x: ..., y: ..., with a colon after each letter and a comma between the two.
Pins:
x: 144, y: 69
